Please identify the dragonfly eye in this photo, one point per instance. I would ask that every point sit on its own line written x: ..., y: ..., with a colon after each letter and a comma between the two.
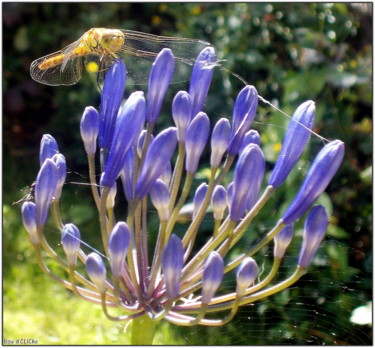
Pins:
x: 116, y: 42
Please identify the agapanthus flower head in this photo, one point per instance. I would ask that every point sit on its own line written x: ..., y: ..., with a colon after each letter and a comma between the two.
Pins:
x: 155, y: 274
x: 48, y: 148
x: 213, y: 273
x: 158, y: 155
x: 118, y: 245
x: 113, y: 91
x: 246, y: 275
x: 71, y: 240
x: 181, y: 112
x: 219, y: 141
x: 172, y: 262
x: 315, y: 228
x: 96, y: 271
x: 160, y: 77
x: 128, y: 126
x: 201, y: 78
x: 295, y: 141
x: 244, y: 111
x: 160, y: 197
x: 196, y: 139
x: 45, y: 187
x: 89, y: 128
x: 248, y: 176
x: 29, y: 221
x: 321, y: 172
x: 219, y: 202
x: 282, y: 241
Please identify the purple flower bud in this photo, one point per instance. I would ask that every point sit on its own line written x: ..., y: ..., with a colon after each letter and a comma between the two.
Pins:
x: 213, y: 273
x: 127, y: 174
x: 48, y: 148
x: 171, y: 263
x: 141, y: 142
x: 282, y: 241
x: 45, y: 187
x: 158, y: 155
x: 128, y: 126
x: 248, y: 176
x: 321, y: 172
x: 96, y: 271
x: 230, y: 189
x: 196, y: 139
x: 251, y: 137
x: 160, y: 197
x: 59, y: 160
x: 246, y: 275
x: 166, y: 175
x: 243, y: 115
x: 219, y: 141
x: 315, y: 228
x: 181, y: 112
x: 113, y: 91
x: 90, y: 129
x: 200, y: 193
x: 219, y: 202
x: 28, y: 219
x: 70, y: 240
x: 295, y: 141
x: 118, y: 245
x: 160, y: 78
x: 201, y: 78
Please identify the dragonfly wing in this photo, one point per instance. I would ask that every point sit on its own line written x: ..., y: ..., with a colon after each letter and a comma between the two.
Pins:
x: 51, y: 74
x: 185, y: 50
x: 60, y: 68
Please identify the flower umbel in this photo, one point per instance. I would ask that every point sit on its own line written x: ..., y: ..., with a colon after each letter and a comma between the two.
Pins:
x: 147, y: 267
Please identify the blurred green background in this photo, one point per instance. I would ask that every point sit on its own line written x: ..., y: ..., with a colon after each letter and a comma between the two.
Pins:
x: 291, y: 53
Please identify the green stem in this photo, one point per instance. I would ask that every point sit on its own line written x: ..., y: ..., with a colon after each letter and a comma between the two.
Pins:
x: 56, y: 214
x: 93, y: 184
x: 193, y: 229
x: 177, y: 174
x: 103, y: 218
x: 181, y: 201
x: 227, y: 164
x: 143, y: 331
x: 195, y: 308
x: 264, y: 241
x: 157, y: 257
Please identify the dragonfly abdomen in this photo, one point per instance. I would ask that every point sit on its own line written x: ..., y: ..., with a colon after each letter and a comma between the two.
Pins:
x: 51, y: 62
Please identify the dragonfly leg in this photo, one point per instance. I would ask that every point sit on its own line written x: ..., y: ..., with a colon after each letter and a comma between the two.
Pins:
x: 111, y: 53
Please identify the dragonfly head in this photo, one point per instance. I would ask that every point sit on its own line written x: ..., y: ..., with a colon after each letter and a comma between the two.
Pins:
x: 113, y: 39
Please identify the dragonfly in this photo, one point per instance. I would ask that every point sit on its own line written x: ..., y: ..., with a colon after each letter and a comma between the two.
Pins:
x: 102, y: 46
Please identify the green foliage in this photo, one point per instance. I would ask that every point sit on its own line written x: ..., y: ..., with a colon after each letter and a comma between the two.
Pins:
x: 291, y: 52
